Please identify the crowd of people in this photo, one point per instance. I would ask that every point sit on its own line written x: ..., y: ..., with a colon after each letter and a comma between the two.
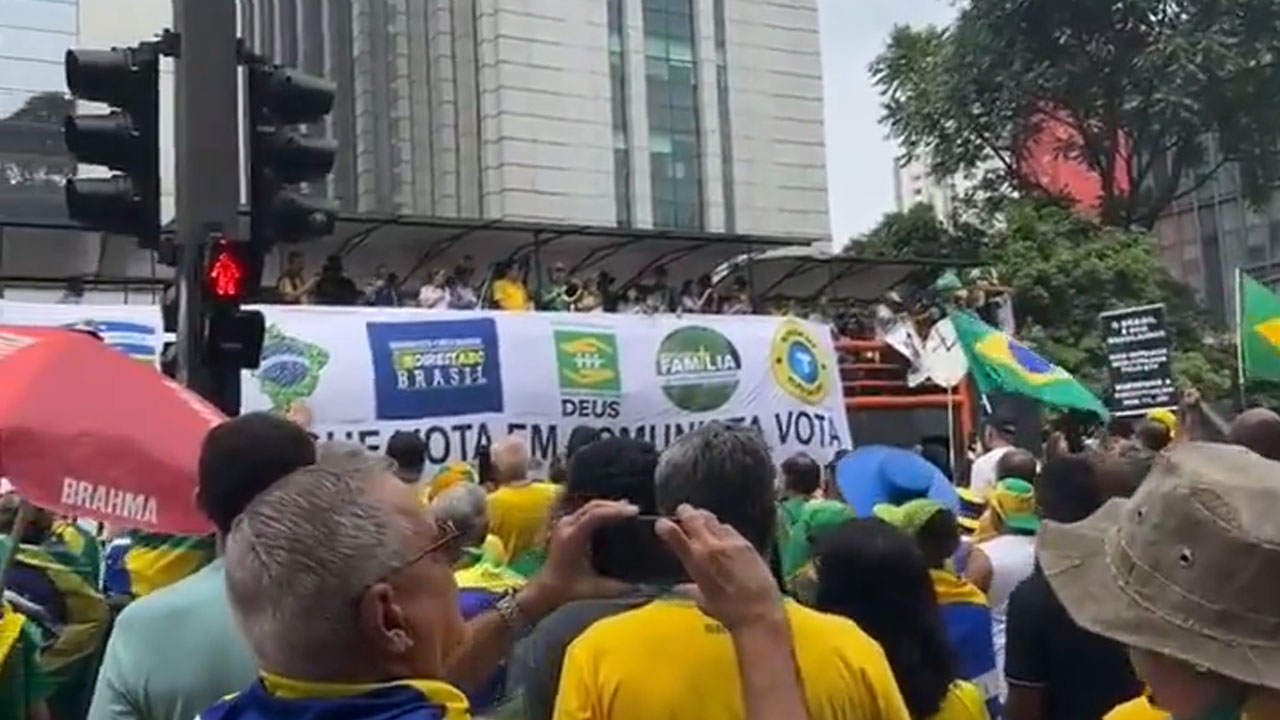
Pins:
x: 1130, y: 580
x: 512, y: 286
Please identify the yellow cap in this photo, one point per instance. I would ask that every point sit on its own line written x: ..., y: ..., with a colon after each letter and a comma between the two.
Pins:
x: 447, y: 477
x: 1165, y: 417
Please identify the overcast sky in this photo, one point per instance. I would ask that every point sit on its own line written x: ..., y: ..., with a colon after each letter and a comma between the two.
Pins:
x: 859, y: 157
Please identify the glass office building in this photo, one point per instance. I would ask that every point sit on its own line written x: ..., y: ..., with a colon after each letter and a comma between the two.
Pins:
x: 680, y: 114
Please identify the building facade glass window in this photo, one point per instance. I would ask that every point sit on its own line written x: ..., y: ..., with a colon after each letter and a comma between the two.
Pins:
x: 619, y: 89
x: 725, y: 117
x: 674, y: 132
x: 34, y: 163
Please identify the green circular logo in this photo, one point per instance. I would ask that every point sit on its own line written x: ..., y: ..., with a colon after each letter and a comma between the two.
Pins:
x: 697, y: 368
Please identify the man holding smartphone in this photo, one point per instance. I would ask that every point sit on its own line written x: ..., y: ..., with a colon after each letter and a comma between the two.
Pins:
x: 610, y: 469
x: 668, y: 658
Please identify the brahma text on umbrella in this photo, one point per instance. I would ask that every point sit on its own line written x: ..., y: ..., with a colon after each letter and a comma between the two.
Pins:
x: 104, y: 500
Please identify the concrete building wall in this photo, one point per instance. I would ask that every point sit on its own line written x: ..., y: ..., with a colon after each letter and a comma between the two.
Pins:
x: 775, y: 99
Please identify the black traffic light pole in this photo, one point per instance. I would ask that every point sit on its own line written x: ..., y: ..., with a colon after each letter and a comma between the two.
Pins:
x: 208, y: 177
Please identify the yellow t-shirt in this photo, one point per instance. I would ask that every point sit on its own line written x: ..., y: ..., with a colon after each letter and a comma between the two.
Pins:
x: 669, y: 660
x: 510, y: 295
x: 518, y: 514
x: 964, y: 701
x: 1259, y: 707
x: 1139, y: 708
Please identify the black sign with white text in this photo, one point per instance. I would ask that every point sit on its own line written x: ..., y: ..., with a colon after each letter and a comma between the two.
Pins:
x: 1138, y: 357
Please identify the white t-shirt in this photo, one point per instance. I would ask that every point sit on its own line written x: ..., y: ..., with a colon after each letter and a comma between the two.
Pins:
x: 432, y: 297
x: 1013, y: 558
x: 982, y: 476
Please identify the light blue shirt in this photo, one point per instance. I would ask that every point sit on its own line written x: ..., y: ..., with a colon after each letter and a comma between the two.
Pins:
x: 173, y: 653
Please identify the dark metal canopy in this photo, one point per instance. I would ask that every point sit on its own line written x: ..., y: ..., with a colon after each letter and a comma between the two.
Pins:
x: 808, y: 273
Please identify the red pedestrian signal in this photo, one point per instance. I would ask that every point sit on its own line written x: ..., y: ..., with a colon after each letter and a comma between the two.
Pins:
x: 226, y: 273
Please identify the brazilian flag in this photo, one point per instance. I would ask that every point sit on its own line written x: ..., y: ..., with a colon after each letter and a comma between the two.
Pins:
x: 999, y: 363
x: 73, y: 629
x: 77, y: 548
x: 1259, y: 328
x: 139, y: 563
x: 23, y: 683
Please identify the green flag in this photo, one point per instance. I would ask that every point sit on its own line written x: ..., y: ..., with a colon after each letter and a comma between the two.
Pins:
x: 1259, y: 330
x: 999, y: 363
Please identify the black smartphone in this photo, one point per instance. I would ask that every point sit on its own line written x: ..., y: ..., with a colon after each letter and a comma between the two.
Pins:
x: 631, y: 551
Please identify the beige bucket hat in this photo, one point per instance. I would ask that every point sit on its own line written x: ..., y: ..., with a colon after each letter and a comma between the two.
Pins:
x: 1188, y: 568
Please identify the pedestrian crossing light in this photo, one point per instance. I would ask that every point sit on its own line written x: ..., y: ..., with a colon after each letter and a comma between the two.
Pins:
x: 233, y: 335
x: 125, y: 140
x: 227, y: 273
x: 282, y: 156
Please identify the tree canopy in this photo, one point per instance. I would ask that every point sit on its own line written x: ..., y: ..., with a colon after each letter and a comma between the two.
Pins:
x: 1134, y: 90
x: 31, y: 146
x: 1063, y: 271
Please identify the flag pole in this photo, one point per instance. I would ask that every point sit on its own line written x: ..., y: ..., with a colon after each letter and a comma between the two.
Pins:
x: 1239, y: 376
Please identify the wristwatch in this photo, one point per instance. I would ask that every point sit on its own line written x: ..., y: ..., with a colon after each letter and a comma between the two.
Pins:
x: 509, y: 610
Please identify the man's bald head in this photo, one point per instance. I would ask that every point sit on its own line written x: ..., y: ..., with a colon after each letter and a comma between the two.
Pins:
x: 510, y: 457
x: 1257, y: 429
x: 1017, y: 463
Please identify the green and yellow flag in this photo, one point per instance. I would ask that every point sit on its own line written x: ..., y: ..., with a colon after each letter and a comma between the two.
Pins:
x: 1259, y: 330
x: 999, y: 363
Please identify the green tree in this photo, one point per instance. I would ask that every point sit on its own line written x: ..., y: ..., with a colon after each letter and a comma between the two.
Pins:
x: 31, y: 145
x: 1065, y: 270
x: 1138, y: 86
x: 917, y: 232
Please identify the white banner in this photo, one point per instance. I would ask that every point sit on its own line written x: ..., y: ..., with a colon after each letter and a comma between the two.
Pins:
x: 462, y: 379
x: 136, y: 330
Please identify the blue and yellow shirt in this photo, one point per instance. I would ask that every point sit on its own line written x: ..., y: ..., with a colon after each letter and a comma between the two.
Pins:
x: 667, y: 659
x: 967, y: 618
x: 479, y: 589
x: 278, y: 698
x: 139, y: 563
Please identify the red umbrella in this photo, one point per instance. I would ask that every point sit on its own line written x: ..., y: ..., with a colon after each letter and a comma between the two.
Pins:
x: 87, y: 431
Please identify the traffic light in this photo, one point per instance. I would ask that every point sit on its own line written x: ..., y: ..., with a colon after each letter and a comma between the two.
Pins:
x: 126, y: 140
x: 233, y: 337
x: 281, y: 156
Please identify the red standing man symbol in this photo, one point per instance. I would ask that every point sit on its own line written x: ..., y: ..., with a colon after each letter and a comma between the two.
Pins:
x: 226, y: 274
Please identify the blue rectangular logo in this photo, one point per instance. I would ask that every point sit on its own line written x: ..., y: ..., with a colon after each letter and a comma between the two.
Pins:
x: 435, y: 369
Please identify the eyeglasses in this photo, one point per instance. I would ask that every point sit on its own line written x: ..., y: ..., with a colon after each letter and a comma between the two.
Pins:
x: 447, y: 533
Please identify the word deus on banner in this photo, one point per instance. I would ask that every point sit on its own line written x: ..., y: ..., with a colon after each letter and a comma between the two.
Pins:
x: 1138, y: 359
x: 464, y: 441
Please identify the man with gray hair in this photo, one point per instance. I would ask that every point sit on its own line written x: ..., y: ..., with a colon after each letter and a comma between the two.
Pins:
x: 337, y: 578
x: 465, y: 507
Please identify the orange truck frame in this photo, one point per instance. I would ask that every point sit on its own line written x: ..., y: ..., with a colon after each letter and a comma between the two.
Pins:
x: 874, y: 379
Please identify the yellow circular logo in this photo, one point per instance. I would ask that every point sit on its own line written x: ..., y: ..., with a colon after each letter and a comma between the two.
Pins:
x: 799, y: 365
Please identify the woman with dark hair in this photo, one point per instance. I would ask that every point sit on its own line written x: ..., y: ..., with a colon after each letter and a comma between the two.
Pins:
x: 875, y: 574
